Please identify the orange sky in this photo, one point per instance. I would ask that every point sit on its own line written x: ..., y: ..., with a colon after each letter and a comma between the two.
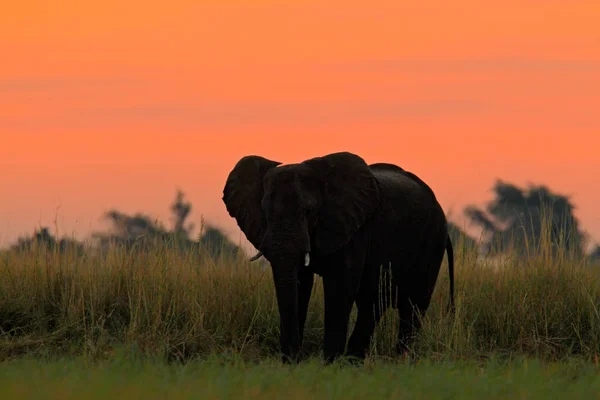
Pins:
x: 117, y: 104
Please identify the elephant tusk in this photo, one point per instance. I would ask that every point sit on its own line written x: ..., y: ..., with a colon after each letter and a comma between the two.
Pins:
x: 256, y: 257
x: 306, y: 259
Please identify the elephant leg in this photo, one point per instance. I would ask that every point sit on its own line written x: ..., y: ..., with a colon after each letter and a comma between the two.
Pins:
x: 338, y: 304
x: 415, y: 275
x: 341, y: 283
x: 305, y: 285
x: 415, y: 294
x: 410, y: 323
x: 372, y: 302
x: 369, y: 314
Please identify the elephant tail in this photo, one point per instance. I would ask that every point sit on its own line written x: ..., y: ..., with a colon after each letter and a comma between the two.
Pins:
x: 450, y: 251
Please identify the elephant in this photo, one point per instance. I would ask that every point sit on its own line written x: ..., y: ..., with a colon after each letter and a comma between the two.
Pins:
x: 353, y: 224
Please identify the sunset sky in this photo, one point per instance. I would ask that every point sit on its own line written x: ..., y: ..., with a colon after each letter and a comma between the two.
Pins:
x: 117, y: 104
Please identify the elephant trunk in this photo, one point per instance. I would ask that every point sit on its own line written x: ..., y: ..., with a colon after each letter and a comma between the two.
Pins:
x: 288, y: 250
x: 286, y: 289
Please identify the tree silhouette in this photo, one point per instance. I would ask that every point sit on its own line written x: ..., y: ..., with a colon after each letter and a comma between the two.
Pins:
x: 144, y: 232
x: 217, y: 243
x: 43, y: 239
x: 595, y: 254
x: 524, y: 217
x: 181, y: 210
x: 457, y: 236
x: 128, y: 230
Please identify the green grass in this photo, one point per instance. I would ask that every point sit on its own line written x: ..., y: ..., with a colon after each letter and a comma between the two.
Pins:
x: 181, y: 306
x: 220, y: 377
x: 194, y: 326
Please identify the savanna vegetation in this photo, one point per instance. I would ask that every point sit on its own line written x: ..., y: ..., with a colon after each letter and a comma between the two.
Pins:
x: 192, y: 317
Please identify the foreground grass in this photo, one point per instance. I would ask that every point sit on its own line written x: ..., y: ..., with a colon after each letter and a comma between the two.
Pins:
x: 218, y: 377
x: 180, y: 306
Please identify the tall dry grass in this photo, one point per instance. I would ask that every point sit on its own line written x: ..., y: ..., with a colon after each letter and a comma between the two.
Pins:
x: 183, y: 305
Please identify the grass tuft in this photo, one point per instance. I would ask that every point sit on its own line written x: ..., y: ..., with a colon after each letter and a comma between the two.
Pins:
x: 178, y: 306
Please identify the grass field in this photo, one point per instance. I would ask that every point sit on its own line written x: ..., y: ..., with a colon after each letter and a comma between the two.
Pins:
x: 220, y: 377
x: 188, y: 316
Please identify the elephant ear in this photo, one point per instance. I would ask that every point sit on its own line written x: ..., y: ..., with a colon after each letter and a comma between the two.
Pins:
x: 243, y: 193
x: 351, y: 196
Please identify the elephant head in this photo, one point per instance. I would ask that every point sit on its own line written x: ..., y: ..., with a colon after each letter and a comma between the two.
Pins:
x: 290, y: 212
